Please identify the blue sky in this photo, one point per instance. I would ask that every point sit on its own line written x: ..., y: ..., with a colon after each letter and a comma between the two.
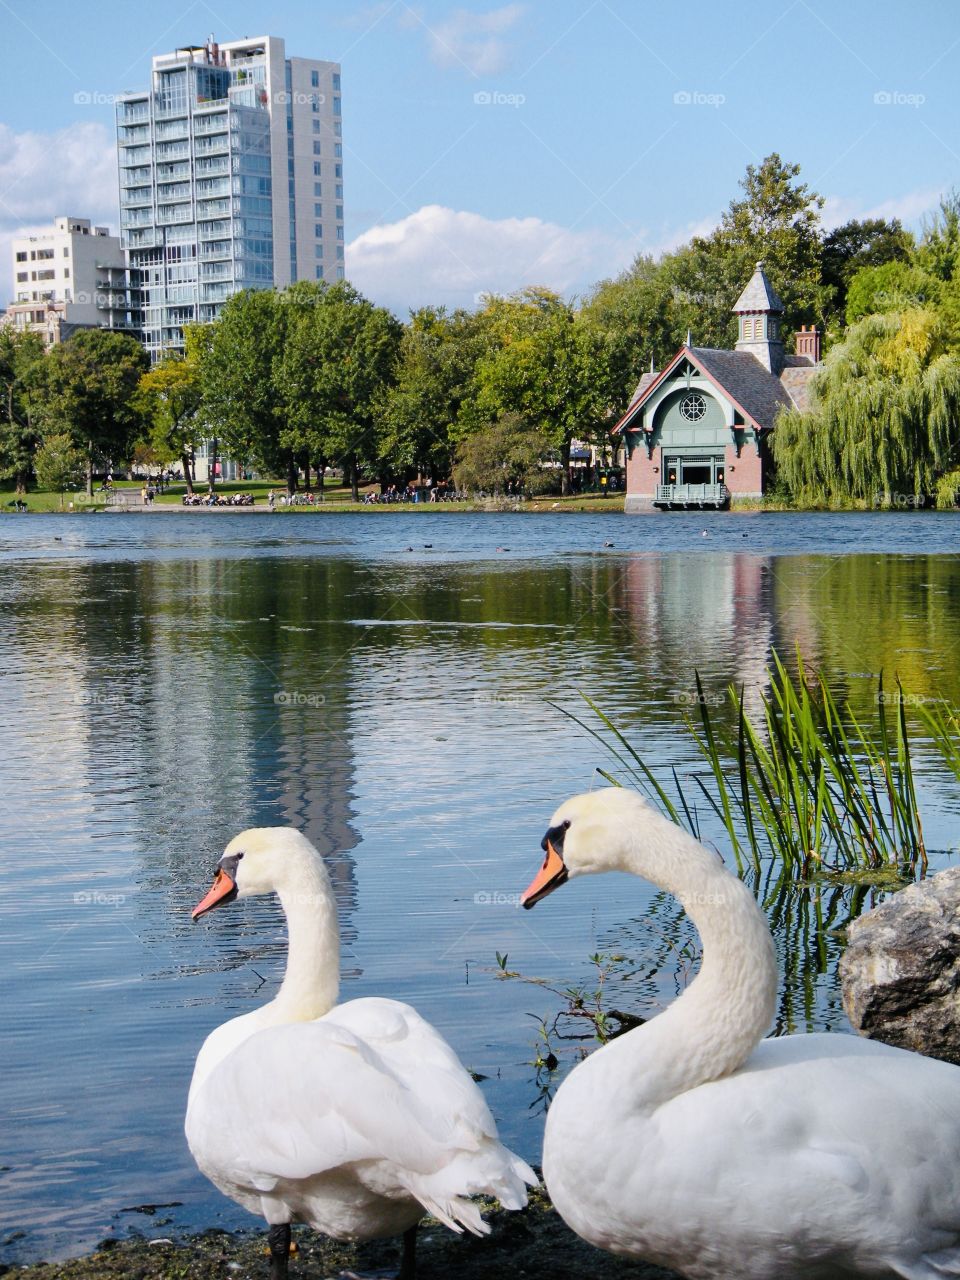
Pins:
x: 490, y: 146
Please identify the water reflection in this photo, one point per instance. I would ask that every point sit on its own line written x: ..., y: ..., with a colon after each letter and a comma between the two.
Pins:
x: 162, y: 691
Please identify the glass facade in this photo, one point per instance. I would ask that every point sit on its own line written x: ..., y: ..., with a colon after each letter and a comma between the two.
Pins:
x: 198, y: 166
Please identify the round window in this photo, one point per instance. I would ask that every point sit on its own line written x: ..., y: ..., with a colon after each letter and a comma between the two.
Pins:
x: 693, y: 407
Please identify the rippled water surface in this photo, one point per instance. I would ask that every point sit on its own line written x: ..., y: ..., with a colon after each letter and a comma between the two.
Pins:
x: 385, y: 683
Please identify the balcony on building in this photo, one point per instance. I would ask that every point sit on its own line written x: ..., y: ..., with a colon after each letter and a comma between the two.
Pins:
x: 136, y: 176
x: 172, y: 191
x: 173, y: 151
x: 136, y: 196
x: 216, y: 271
x: 216, y: 122
x: 213, y: 208
x: 133, y: 110
x: 209, y: 166
x: 688, y: 496
x: 216, y: 144
x: 171, y: 130
x: 169, y: 214
x: 211, y: 250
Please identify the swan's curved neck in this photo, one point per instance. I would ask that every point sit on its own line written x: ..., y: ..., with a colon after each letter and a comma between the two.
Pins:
x: 721, y: 1017
x: 312, y: 979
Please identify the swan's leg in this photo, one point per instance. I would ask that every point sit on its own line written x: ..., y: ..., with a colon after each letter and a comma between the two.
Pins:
x: 278, y: 1238
x: 408, y: 1267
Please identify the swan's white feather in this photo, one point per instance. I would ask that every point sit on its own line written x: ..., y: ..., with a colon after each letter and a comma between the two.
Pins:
x: 689, y: 1144
x: 368, y: 1094
x: 354, y: 1118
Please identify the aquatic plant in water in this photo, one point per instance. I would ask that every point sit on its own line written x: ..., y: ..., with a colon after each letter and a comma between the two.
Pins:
x: 805, y: 782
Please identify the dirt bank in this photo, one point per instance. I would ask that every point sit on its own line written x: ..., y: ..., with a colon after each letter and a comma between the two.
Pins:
x: 534, y: 1245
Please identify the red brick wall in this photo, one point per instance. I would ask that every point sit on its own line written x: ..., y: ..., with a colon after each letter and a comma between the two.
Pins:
x: 641, y: 478
x: 744, y: 475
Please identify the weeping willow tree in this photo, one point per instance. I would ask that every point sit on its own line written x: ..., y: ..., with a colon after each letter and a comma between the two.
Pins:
x: 884, y: 422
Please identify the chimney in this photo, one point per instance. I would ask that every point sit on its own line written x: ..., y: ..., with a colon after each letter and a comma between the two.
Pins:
x: 808, y: 343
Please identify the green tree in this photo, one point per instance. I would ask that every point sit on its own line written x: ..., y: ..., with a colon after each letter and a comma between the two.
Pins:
x: 894, y: 286
x: 59, y: 464
x: 777, y: 220
x: 885, y: 419
x: 21, y: 360
x: 88, y: 391
x: 855, y: 245
x: 241, y: 407
x: 548, y: 366
x: 169, y: 397
x: 638, y: 316
x: 939, y: 250
x: 338, y: 359
x: 420, y: 411
x: 500, y: 456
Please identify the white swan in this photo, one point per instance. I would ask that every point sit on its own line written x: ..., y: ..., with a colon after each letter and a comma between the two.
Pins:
x: 690, y: 1143
x: 355, y: 1119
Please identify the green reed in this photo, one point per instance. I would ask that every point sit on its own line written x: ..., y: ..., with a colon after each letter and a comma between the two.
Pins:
x: 802, y: 778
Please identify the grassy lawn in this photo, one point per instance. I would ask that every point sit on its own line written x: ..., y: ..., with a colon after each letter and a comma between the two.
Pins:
x: 336, y: 497
x: 44, y: 501
x: 578, y: 502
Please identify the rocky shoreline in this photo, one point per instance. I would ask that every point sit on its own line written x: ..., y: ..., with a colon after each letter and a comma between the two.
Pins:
x: 534, y: 1245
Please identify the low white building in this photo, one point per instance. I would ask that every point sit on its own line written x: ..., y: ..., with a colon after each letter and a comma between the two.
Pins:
x: 72, y: 276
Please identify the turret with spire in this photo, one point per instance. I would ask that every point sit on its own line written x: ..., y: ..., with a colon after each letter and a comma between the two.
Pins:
x: 758, y: 310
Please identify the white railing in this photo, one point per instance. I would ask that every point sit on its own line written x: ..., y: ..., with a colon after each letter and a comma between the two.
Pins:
x: 692, y: 495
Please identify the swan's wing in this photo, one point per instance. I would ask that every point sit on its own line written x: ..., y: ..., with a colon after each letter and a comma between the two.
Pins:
x: 419, y: 1056
x: 423, y: 1060
x: 298, y: 1101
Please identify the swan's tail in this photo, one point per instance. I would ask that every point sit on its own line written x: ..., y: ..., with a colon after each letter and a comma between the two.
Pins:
x: 510, y: 1185
x: 456, y: 1213
x: 490, y: 1171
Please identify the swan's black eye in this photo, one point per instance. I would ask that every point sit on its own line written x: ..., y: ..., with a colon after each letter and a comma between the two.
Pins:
x: 555, y: 837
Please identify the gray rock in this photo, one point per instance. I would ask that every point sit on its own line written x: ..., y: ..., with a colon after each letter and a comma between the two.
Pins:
x: 901, y: 969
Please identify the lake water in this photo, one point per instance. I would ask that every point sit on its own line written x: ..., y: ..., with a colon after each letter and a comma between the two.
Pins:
x: 383, y: 682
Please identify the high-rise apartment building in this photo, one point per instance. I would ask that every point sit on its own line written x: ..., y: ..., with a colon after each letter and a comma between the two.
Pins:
x: 70, y: 277
x: 231, y: 177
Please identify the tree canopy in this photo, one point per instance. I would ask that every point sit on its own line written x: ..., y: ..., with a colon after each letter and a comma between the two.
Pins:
x: 87, y: 391
x: 885, y: 421
x: 21, y: 356
x: 338, y: 358
x: 544, y: 365
x: 316, y: 374
x: 169, y: 397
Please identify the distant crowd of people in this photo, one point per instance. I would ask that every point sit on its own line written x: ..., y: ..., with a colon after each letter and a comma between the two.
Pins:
x: 414, y: 493
x: 307, y: 499
x: 217, y: 500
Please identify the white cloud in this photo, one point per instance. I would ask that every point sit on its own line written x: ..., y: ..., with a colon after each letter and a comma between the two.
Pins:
x: 910, y: 207
x: 43, y: 175
x: 671, y: 238
x: 438, y: 255
x: 474, y: 41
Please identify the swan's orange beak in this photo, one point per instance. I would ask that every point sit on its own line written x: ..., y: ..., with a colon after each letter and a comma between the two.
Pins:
x: 550, y: 876
x: 223, y: 889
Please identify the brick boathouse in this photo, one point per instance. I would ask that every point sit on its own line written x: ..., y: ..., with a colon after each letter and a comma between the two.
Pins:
x: 697, y: 432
